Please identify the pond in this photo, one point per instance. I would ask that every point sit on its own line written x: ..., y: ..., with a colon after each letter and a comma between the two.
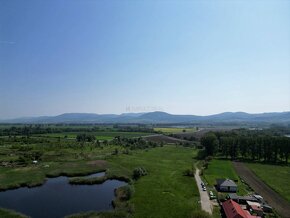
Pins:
x: 57, y: 198
x: 96, y: 175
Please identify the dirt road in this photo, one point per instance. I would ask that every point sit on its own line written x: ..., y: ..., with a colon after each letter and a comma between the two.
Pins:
x: 204, y: 198
x: 274, y: 199
x: 162, y: 138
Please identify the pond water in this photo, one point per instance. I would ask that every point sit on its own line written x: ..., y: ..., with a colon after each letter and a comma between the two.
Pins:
x: 57, y: 198
x: 96, y: 175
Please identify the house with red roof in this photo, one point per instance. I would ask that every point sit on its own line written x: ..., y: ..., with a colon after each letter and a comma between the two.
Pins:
x: 233, y: 210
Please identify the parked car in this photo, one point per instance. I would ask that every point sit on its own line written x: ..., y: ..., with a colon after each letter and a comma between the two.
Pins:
x: 204, y: 188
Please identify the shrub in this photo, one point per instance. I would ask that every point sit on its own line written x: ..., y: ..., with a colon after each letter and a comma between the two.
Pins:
x: 138, y: 172
x: 208, y: 158
x: 115, y: 152
x: 124, y: 193
x: 222, y: 196
x: 205, y: 165
x: 189, y: 172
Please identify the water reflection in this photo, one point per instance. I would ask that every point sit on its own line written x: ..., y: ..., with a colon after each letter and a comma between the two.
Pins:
x: 57, y: 198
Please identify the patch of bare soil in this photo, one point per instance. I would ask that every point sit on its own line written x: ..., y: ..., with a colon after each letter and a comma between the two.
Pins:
x: 272, y: 197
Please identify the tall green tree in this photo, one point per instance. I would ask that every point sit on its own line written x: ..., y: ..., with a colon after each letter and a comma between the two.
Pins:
x: 210, y: 143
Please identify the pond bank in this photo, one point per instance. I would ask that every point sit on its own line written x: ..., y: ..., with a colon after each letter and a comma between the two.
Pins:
x: 57, y: 198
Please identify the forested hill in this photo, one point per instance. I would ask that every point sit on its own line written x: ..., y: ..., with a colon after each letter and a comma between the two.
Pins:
x: 158, y: 117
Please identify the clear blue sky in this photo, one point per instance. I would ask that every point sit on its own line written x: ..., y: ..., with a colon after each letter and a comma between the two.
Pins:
x: 183, y: 57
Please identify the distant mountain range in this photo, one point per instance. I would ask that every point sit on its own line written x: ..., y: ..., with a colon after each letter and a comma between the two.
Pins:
x: 157, y: 117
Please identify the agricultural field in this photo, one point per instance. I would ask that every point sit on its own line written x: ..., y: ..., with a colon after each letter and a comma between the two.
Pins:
x: 100, y: 135
x: 172, y: 130
x: 219, y: 169
x: 277, y: 177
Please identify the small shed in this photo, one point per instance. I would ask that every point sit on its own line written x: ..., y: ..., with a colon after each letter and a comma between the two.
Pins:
x: 226, y: 185
x: 241, y: 199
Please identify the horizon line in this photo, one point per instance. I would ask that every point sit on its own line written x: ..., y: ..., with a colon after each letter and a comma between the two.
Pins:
x: 118, y: 114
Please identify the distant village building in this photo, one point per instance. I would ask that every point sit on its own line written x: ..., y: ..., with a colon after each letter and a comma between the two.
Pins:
x: 226, y: 185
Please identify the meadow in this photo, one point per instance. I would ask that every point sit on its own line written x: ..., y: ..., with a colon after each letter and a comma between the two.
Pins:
x: 277, y: 177
x: 163, y: 192
x: 222, y: 169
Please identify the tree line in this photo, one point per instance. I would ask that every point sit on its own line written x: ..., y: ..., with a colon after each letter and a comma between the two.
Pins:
x: 262, y: 147
x: 28, y: 130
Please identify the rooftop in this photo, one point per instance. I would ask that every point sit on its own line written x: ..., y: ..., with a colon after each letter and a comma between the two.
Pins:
x: 234, y: 196
x: 253, y: 203
x: 256, y: 208
x: 234, y: 210
x: 226, y: 182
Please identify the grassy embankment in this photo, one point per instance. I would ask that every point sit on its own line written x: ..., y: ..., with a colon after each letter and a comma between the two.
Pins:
x: 10, y: 214
x: 277, y: 177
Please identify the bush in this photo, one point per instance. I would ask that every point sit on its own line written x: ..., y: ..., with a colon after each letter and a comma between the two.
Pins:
x: 115, y: 152
x: 124, y: 193
x: 205, y: 164
x: 126, y: 151
x: 189, y: 172
x: 208, y: 158
x: 201, y: 155
x: 138, y: 172
x: 222, y: 196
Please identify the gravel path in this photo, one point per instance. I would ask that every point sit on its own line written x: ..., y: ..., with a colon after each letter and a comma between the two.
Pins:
x: 273, y: 198
x: 204, y: 198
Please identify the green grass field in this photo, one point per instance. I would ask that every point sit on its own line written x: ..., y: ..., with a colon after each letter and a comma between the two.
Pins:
x: 277, y: 177
x: 164, y: 192
x: 172, y: 130
x: 101, y: 135
x: 219, y: 169
x: 55, y: 161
